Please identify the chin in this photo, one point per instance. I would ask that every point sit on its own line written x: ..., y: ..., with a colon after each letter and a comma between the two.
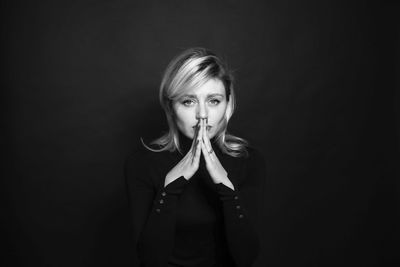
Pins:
x: 211, y: 135
x: 189, y: 134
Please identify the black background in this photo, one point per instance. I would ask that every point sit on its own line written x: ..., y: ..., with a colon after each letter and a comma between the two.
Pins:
x: 316, y: 85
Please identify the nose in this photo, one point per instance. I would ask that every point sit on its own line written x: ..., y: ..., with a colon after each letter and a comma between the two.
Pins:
x: 202, y: 112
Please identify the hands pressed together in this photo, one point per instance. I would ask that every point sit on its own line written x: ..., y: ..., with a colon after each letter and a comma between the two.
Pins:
x: 188, y: 166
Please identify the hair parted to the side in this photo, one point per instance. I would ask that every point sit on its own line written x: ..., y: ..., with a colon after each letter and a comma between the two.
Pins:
x: 194, y: 67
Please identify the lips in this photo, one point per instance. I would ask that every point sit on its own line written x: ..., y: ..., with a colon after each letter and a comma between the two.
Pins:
x: 208, y: 127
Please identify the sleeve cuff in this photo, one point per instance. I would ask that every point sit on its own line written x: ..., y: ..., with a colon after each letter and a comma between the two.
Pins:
x: 176, y: 187
x: 225, y: 193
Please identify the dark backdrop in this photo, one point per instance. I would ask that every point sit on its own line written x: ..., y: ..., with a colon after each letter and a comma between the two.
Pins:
x: 316, y: 93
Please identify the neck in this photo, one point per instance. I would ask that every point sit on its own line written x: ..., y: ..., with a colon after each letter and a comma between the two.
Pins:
x: 185, y: 142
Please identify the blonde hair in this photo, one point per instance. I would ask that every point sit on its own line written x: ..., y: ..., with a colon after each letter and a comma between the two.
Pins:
x: 191, y: 68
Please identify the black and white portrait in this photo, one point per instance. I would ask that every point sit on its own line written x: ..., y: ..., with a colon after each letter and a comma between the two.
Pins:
x: 200, y: 133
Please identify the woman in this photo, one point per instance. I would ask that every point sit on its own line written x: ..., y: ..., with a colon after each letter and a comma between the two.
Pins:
x: 195, y: 193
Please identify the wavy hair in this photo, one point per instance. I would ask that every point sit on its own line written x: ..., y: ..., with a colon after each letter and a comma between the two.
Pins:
x: 191, y: 68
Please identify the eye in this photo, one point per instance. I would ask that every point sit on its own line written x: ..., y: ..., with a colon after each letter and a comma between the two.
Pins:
x: 188, y: 102
x: 214, y: 102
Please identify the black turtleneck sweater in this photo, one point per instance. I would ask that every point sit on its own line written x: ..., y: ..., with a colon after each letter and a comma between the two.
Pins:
x: 195, y: 222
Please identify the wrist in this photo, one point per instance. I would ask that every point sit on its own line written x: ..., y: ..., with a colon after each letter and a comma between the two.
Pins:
x: 227, y: 183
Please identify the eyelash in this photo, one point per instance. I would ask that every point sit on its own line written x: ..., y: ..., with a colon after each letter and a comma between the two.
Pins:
x: 216, y: 101
x: 187, y: 102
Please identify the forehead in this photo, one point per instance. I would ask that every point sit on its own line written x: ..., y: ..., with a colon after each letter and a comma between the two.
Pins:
x: 212, y: 86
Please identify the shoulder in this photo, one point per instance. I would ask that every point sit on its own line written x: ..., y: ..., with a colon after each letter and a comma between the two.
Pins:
x: 138, y: 167
x: 142, y: 157
x: 252, y: 157
x: 254, y: 153
x: 143, y: 163
x: 248, y: 169
x: 255, y: 165
x: 137, y: 156
x: 136, y: 163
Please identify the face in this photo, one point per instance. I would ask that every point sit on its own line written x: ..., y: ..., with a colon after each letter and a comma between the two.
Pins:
x: 207, y: 101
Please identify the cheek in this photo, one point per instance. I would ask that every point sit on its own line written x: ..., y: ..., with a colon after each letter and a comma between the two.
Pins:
x: 217, y: 116
x: 182, y: 122
x: 184, y: 118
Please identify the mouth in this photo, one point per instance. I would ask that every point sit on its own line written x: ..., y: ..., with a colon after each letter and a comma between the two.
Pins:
x: 208, y: 127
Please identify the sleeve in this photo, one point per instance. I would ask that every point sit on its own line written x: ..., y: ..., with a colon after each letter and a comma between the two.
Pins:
x: 241, y: 211
x: 153, y: 211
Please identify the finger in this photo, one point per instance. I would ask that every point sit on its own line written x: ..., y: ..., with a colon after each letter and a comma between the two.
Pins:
x: 205, y: 134
x: 207, y: 144
x: 196, y: 158
x: 195, y: 136
x: 196, y: 139
x: 201, y: 126
x: 206, y: 154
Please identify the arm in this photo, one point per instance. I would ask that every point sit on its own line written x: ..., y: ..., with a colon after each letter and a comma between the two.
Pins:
x: 153, y: 210
x: 240, y: 201
x: 241, y: 211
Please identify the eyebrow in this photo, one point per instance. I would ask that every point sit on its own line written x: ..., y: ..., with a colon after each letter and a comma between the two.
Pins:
x: 210, y: 95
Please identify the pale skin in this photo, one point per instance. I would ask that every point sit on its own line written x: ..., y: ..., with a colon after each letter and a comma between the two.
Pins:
x: 206, y: 107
